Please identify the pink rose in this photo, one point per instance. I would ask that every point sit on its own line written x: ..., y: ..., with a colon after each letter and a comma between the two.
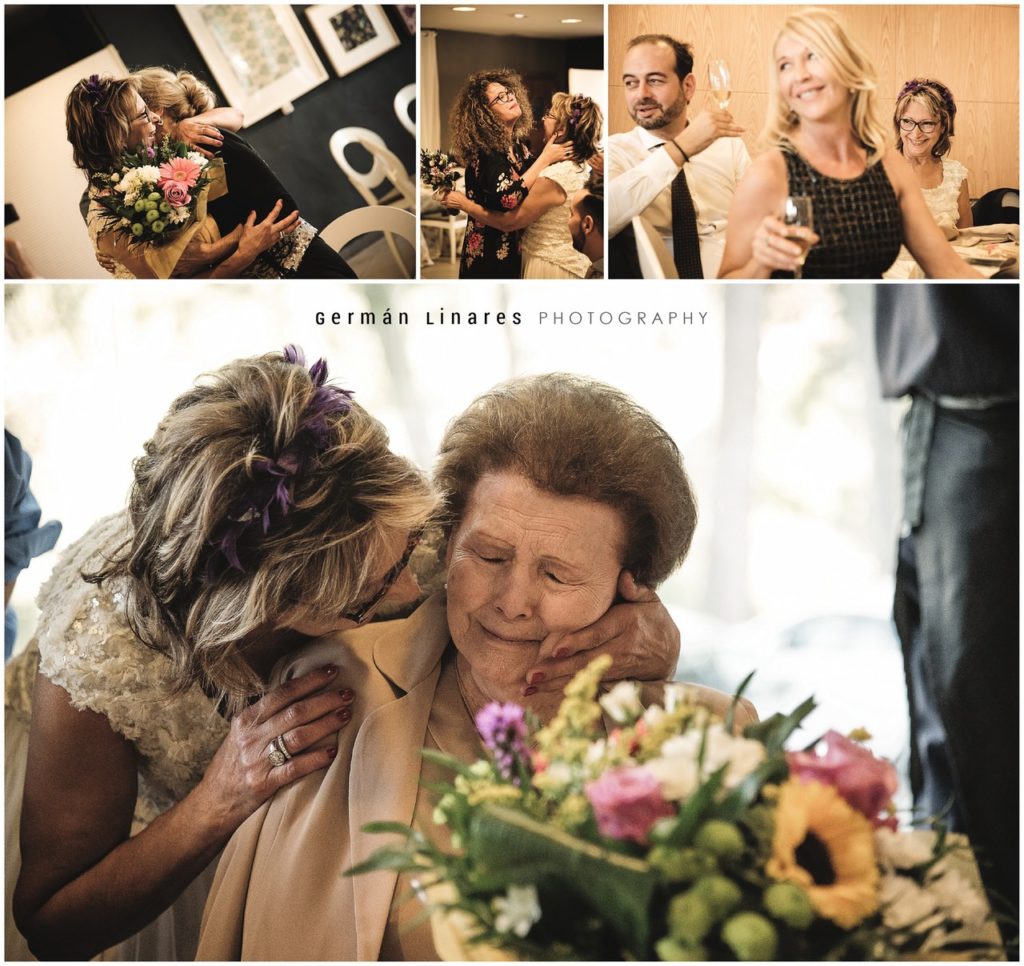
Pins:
x: 627, y: 802
x: 176, y: 193
x: 865, y: 782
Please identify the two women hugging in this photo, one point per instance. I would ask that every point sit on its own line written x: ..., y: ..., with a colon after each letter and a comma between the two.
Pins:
x: 173, y: 191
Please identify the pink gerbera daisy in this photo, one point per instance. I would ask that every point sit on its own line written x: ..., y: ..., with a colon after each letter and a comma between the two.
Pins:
x: 179, y: 170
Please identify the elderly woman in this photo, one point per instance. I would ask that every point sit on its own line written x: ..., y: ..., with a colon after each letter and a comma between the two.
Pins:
x: 489, y: 121
x: 827, y: 140
x: 266, y: 509
x: 547, y: 246
x: 554, y: 488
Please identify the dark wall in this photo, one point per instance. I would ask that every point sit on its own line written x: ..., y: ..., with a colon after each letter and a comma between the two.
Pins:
x: 543, y: 64
x: 43, y: 39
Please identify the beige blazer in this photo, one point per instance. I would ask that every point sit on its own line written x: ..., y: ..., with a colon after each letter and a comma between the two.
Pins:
x: 279, y: 892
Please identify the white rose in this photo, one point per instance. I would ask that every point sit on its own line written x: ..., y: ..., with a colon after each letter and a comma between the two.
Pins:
x: 905, y: 904
x: 622, y: 702
x: 677, y: 776
x: 742, y: 755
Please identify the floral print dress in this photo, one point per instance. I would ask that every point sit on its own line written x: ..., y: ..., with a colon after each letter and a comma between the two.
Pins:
x: 494, y: 182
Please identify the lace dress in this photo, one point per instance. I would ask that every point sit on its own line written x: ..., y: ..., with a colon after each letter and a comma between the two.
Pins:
x: 547, y: 243
x: 84, y: 645
x: 858, y: 219
x: 944, y: 203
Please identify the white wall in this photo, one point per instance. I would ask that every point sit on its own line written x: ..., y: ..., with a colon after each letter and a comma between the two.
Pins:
x: 41, y: 180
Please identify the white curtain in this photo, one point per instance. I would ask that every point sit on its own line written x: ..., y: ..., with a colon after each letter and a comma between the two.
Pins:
x: 430, y: 93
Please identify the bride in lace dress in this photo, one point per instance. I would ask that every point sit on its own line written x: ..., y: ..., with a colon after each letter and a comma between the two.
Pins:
x: 267, y: 509
x: 547, y: 246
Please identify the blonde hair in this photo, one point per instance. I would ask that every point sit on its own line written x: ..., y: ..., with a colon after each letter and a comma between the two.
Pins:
x: 588, y: 129
x: 823, y: 32
x: 99, y: 113
x: 348, y: 498
x: 181, y: 95
x: 473, y: 126
x: 935, y: 98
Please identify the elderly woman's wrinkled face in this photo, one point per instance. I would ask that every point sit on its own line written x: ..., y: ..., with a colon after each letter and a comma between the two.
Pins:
x: 923, y: 135
x: 502, y: 102
x: 524, y: 564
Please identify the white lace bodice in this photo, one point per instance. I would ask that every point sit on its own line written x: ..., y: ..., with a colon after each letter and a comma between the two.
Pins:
x: 942, y: 200
x: 87, y: 648
x: 549, y: 237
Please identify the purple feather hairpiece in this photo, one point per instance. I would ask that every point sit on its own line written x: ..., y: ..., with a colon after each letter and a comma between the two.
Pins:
x: 269, y: 491
x: 945, y: 94
x: 576, y: 106
x: 95, y: 91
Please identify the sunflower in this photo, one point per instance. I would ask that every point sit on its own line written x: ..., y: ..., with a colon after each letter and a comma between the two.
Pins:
x: 826, y: 848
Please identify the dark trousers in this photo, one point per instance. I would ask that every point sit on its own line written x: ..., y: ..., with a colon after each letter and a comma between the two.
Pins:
x: 957, y: 614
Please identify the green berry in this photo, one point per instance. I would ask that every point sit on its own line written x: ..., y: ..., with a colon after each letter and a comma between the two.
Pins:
x: 720, y: 838
x: 154, y: 196
x: 140, y: 205
x: 750, y: 936
x: 158, y: 226
x: 722, y: 895
x: 672, y: 951
x: 137, y: 229
x: 789, y: 904
x: 689, y: 918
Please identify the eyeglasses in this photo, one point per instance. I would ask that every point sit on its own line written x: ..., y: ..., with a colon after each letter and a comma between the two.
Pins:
x: 364, y: 612
x: 506, y: 97
x: 908, y: 124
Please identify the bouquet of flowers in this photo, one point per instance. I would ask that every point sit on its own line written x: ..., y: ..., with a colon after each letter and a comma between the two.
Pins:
x: 438, y: 171
x: 671, y: 836
x: 155, y: 192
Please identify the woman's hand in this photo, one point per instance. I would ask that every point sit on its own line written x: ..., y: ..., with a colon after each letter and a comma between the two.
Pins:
x: 455, y: 199
x: 639, y: 634
x: 554, y: 152
x: 773, y: 246
x: 304, y: 713
x: 596, y: 163
x: 204, y: 137
x: 257, y: 237
x: 107, y: 262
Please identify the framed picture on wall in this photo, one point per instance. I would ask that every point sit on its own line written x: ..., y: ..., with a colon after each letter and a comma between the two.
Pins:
x: 352, y: 34
x: 408, y: 12
x: 259, y: 55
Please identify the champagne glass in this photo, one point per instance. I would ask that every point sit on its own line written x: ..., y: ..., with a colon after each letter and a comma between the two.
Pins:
x: 798, y: 211
x: 720, y: 82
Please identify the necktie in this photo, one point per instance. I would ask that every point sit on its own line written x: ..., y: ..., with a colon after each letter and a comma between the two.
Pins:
x: 685, y: 246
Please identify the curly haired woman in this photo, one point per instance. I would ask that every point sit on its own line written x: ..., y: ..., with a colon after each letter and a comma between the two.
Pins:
x: 488, y: 124
x: 547, y: 244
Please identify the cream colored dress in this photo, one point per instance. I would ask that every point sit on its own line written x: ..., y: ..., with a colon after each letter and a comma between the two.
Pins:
x: 84, y: 645
x: 547, y: 243
x: 944, y: 203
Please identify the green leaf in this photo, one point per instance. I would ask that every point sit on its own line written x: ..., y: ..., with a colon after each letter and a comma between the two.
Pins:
x: 395, y: 828
x: 692, y: 812
x: 397, y: 860
x: 743, y: 795
x: 616, y: 887
x: 731, y: 714
x: 774, y: 731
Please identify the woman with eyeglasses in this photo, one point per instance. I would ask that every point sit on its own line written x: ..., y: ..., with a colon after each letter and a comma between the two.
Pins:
x: 543, y: 216
x: 829, y: 142
x: 106, y: 117
x: 488, y: 125
x: 267, y: 509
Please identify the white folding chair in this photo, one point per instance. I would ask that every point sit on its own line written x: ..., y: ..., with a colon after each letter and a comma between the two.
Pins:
x: 431, y: 216
x: 372, y: 218
x: 403, y: 101
x: 655, y: 260
x: 386, y: 168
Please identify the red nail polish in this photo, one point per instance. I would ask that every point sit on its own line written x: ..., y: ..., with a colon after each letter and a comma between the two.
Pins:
x: 330, y: 669
x: 535, y: 677
x: 561, y: 652
x: 344, y: 714
x: 346, y: 694
x: 332, y: 751
x: 528, y: 691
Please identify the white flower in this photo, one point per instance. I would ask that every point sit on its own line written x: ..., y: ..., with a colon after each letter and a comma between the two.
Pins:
x: 905, y: 904
x: 904, y: 850
x: 198, y: 158
x: 959, y: 898
x: 676, y: 767
x: 178, y: 216
x: 653, y: 715
x: 517, y: 910
x: 115, y: 177
x: 596, y: 752
x: 622, y: 702
x: 676, y: 694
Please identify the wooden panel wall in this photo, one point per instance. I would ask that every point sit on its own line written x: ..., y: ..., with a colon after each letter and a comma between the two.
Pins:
x: 971, y: 49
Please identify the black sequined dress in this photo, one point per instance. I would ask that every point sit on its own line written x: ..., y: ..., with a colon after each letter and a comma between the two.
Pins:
x: 858, y: 220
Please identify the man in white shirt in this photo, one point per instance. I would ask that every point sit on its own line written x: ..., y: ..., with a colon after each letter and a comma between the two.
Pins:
x: 643, y: 163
